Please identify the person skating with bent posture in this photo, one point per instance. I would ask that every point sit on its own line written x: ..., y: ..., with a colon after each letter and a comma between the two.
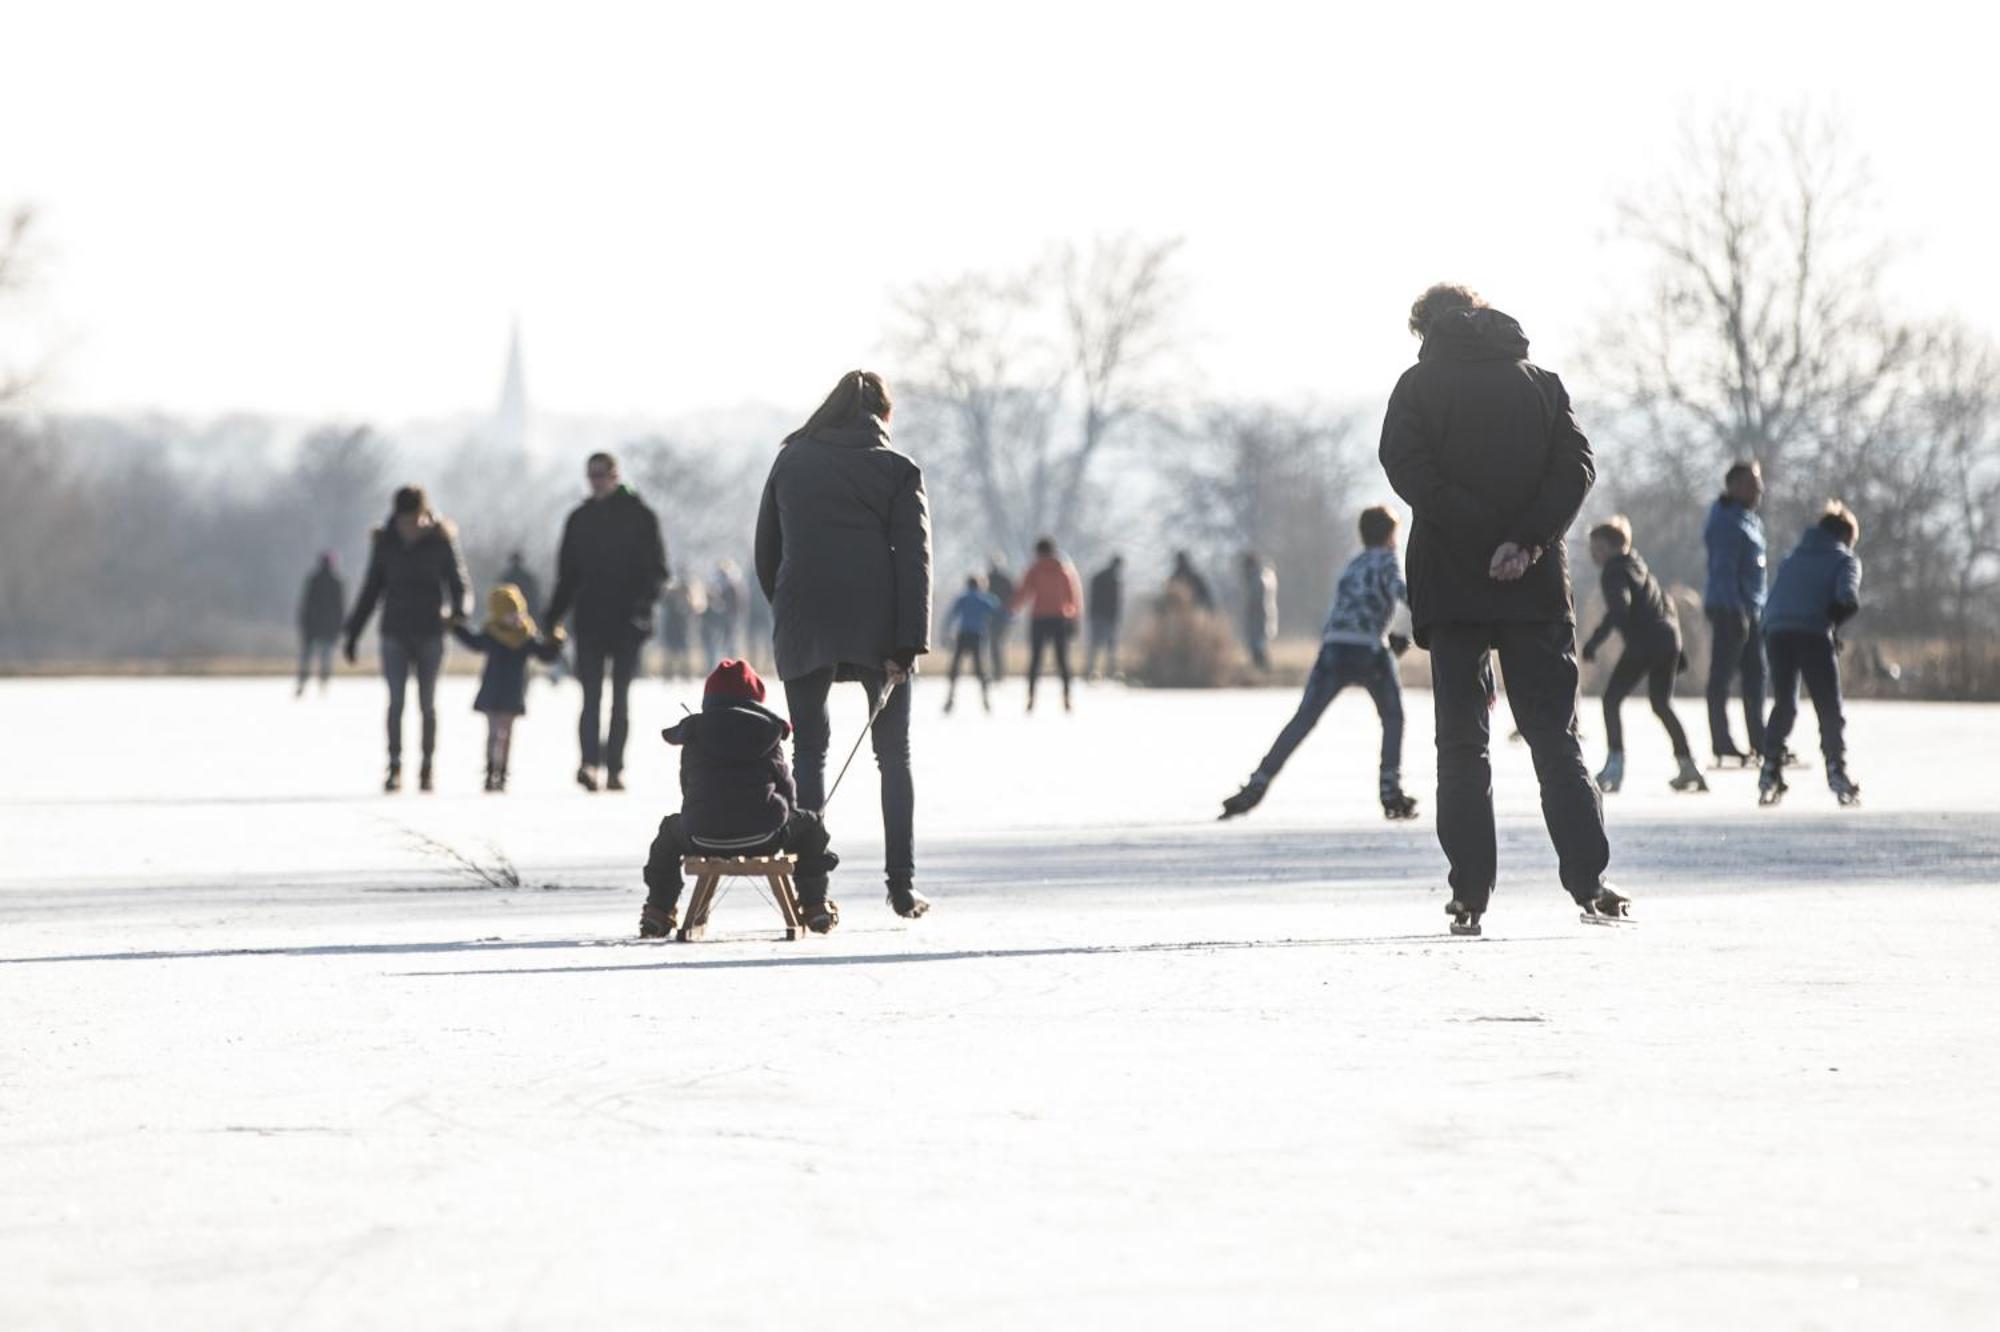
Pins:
x: 610, y: 567
x: 1639, y: 609
x: 844, y: 556
x: 1356, y: 647
x: 1483, y: 446
x: 1818, y: 589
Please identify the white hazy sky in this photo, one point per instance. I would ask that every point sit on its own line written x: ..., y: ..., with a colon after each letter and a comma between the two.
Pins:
x: 336, y: 209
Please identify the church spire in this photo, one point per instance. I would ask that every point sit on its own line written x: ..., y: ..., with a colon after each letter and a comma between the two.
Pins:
x: 510, y: 418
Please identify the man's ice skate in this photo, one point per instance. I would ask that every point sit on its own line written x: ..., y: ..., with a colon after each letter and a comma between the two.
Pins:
x: 657, y: 922
x: 1246, y: 799
x: 1771, y: 786
x: 1607, y: 908
x: 1464, y: 920
x: 587, y: 778
x: 907, y: 901
x: 1398, y: 806
x: 1690, y: 779
x: 1845, y: 789
x: 1613, y: 774
x: 1732, y: 758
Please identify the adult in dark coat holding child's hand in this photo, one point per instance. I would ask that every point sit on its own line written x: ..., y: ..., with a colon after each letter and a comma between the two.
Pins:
x: 844, y: 557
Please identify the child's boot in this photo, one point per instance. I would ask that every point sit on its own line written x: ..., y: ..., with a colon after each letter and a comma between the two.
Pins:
x: 819, y: 912
x: 657, y: 920
x: 1613, y: 775
x: 1845, y: 788
x: 1690, y: 778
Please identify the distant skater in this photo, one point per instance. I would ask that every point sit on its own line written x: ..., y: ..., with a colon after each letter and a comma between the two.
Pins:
x: 1260, y: 607
x: 416, y: 571
x: 844, y: 555
x: 738, y: 798
x: 1818, y: 589
x: 508, y: 639
x: 680, y: 626
x: 1000, y: 586
x: 610, y: 567
x: 322, y: 604
x: 1643, y: 614
x: 1733, y: 600
x: 1104, y: 611
x: 1188, y: 580
x: 1356, y: 648
x: 967, y: 623
x: 1482, y: 445
x: 522, y: 579
x: 1053, y: 596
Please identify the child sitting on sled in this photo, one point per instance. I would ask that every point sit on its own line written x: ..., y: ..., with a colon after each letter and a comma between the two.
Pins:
x: 737, y: 799
x: 508, y: 638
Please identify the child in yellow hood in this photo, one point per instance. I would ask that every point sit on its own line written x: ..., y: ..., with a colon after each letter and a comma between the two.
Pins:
x: 508, y: 638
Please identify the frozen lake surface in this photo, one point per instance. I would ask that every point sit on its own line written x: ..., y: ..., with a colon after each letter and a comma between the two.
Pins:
x: 269, y: 1063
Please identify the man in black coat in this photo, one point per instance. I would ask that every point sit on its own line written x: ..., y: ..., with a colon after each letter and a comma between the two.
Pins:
x: 322, y: 603
x: 610, y: 568
x: 1484, y: 448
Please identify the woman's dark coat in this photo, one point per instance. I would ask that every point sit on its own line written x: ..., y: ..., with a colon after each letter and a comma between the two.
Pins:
x: 844, y: 552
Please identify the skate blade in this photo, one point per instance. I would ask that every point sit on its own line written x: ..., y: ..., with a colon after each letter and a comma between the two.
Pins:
x: 1615, y: 922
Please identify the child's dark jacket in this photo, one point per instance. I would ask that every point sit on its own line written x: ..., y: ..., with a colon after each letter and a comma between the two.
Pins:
x: 736, y: 788
x: 503, y: 683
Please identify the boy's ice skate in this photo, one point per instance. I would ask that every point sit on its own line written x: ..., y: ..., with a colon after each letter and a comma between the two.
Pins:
x: 1689, y: 779
x: 1248, y: 798
x: 1845, y: 789
x: 1732, y: 758
x: 1771, y: 786
x: 1464, y: 920
x: 1613, y: 774
x: 1609, y: 907
x: 1397, y: 806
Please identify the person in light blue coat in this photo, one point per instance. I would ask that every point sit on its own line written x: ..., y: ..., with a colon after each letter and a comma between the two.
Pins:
x: 967, y: 624
x: 1734, y: 602
x: 1818, y: 589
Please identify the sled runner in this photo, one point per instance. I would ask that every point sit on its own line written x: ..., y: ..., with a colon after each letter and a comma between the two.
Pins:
x: 709, y: 871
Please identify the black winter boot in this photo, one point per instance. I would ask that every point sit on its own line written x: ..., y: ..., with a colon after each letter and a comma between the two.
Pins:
x: 658, y: 921
x: 393, y: 782
x: 906, y: 900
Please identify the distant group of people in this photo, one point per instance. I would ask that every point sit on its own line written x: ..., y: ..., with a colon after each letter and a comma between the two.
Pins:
x: 1482, y: 445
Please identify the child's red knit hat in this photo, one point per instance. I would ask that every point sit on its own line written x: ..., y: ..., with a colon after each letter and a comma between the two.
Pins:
x: 734, y: 679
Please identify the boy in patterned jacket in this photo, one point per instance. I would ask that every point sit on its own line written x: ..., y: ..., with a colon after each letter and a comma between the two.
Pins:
x: 1355, y: 648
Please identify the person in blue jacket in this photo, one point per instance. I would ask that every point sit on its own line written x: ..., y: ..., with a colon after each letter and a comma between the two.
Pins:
x: 1818, y: 589
x: 1734, y: 602
x: 968, y: 623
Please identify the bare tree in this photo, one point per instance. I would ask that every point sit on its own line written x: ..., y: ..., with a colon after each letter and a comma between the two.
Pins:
x: 1021, y: 380
x: 1958, y: 412
x: 13, y: 276
x: 1763, y: 322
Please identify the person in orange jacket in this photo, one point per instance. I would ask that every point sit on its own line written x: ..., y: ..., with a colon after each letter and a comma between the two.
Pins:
x: 1053, y: 594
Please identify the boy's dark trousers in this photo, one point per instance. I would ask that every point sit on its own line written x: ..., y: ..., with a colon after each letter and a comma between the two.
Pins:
x: 970, y: 647
x: 1540, y: 664
x: 1338, y: 666
x: 1657, y: 668
x: 1735, y: 647
x: 1796, y: 653
x: 804, y: 835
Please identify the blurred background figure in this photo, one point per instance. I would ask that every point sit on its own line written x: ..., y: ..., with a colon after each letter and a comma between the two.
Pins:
x: 416, y: 571
x: 999, y: 586
x: 722, y: 623
x: 322, y: 603
x: 680, y: 625
x: 1733, y: 600
x: 1260, y: 607
x: 611, y: 567
x: 1105, y: 608
x: 757, y: 626
x: 967, y: 623
x: 1187, y: 580
x: 1053, y: 595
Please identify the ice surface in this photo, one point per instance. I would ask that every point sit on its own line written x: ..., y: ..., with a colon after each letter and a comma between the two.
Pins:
x: 268, y: 1064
